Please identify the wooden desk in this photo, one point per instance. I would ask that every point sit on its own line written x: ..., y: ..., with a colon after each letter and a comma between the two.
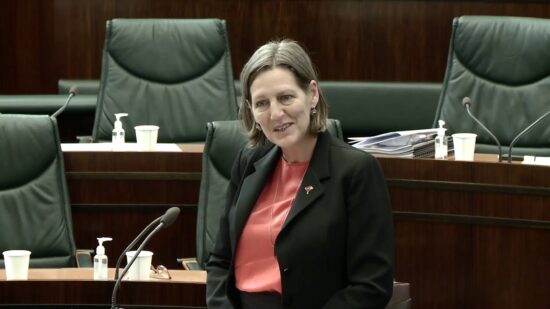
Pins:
x: 73, y: 286
x: 117, y: 194
x: 468, y: 234
x: 471, y: 234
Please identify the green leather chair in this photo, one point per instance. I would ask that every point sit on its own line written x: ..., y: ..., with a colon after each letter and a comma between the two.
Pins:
x: 503, y: 65
x: 372, y: 108
x: 174, y: 73
x: 35, y: 212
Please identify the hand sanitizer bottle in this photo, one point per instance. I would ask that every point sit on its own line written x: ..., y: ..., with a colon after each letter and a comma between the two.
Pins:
x: 441, y: 150
x: 100, y: 260
x: 118, y: 132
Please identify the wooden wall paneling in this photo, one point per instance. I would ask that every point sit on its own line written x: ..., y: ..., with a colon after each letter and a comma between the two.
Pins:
x: 348, y: 40
x: 8, y: 15
x: 78, y: 37
x: 26, y: 46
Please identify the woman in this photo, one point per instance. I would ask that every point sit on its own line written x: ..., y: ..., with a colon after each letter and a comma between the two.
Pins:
x: 308, y: 222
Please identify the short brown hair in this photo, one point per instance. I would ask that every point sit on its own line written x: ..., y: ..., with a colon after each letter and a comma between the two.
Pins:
x: 286, y: 54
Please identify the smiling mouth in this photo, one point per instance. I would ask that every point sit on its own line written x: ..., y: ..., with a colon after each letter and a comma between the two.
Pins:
x: 282, y: 128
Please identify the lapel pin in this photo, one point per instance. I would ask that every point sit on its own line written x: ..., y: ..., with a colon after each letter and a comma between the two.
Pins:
x: 308, y: 189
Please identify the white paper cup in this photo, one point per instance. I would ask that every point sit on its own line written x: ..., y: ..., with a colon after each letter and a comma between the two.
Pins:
x: 465, y: 146
x: 17, y: 264
x: 146, y: 137
x: 141, y: 269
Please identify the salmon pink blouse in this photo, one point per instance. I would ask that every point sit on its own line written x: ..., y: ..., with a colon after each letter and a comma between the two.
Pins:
x: 256, y: 266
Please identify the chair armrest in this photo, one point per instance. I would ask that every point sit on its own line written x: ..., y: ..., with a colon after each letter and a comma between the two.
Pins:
x: 84, y: 258
x: 401, y: 298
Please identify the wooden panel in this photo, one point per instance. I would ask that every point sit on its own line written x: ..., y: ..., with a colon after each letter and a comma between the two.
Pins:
x: 468, y: 234
x: 117, y: 194
x: 43, y: 41
x: 75, y: 286
x: 471, y: 234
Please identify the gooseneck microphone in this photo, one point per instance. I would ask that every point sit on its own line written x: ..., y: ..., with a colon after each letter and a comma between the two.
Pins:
x: 134, y: 242
x: 72, y: 92
x: 467, y: 102
x: 522, y: 133
x: 165, y: 220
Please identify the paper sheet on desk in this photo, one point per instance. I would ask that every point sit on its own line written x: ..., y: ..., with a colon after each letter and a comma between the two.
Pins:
x: 128, y: 147
x: 393, y: 139
x: 533, y: 160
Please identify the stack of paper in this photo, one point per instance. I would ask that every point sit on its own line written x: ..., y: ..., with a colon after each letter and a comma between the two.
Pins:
x: 407, y: 144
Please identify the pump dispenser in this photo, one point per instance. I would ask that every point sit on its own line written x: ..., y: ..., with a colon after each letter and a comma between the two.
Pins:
x: 118, y: 132
x: 100, y: 260
x: 441, y: 149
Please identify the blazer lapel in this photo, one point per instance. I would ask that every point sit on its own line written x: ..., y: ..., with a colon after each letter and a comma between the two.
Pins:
x: 251, y: 188
x: 311, y: 187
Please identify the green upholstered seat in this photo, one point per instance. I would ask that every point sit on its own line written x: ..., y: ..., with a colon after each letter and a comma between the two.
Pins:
x: 174, y: 73
x: 85, y: 86
x: 224, y: 140
x: 372, y: 108
x: 503, y: 65
x: 41, y: 104
x: 35, y: 212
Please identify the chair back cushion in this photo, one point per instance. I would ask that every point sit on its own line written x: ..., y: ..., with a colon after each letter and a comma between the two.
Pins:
x: 173, y: 73
x: 224, y: 140
x: 34, y: 203
x: 372, y: 108
x: 502, y: 64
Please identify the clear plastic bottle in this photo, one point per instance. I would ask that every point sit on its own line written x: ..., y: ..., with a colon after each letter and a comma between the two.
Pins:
x: 441, y: 149
x: 100, y: 260
x: 118, y: 132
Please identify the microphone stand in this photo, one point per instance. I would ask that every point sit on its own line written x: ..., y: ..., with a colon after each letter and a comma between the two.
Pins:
x: 125, y: 270
x: 487, y: 130
x: 72, y: 92
x: 133, y: 243
x: 521, y: 134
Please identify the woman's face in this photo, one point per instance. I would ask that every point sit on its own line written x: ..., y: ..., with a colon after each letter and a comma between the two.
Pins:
x: 282, y: 108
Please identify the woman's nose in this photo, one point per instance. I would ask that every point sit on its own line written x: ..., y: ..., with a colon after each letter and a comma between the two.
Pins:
x: 276, y: 111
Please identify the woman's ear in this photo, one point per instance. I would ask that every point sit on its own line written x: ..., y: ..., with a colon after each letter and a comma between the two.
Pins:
x: 314, y: 91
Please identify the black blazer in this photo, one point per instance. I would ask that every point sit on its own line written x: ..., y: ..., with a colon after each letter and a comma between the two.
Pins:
x: 336, y: 247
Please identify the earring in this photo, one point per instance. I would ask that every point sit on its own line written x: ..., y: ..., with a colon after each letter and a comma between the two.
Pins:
x: 313, y: 110
x: 258, y: 127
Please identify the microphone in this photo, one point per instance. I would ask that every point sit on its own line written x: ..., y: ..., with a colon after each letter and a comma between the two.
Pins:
x: 522, y: 133
x: 72, y: 92
x: 467, y: 102
x: 165, y: 220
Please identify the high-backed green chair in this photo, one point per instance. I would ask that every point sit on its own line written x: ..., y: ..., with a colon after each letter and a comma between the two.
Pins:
x: 174, y: 73
x: 35, y: 212
x: 503, y: 65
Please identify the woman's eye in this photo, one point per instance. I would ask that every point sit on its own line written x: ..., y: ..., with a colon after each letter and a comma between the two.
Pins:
x: 261, y: 104
x: 285, y: 98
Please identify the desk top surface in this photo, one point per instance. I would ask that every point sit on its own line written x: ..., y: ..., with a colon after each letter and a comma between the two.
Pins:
x: 86, y: 274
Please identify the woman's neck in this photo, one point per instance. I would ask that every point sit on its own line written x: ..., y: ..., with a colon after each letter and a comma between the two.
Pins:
x: 301, y: 152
